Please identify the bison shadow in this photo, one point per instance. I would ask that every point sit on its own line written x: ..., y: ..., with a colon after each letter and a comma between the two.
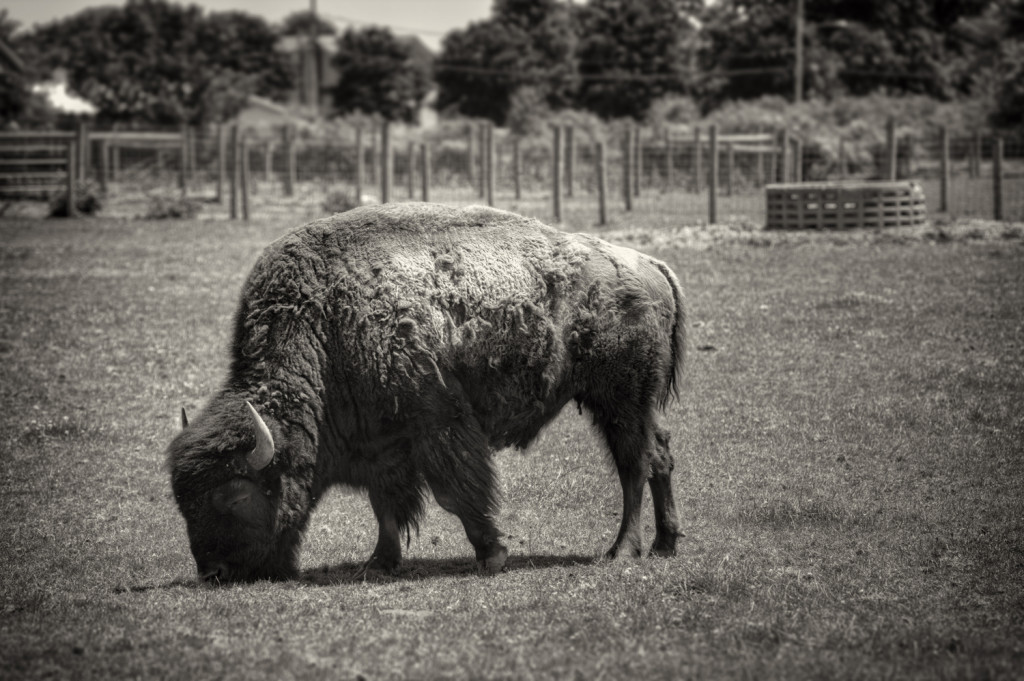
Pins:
x: 412, y: 569
x: 432, y: 568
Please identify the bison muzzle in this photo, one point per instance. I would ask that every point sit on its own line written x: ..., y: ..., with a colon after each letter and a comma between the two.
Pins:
x: 393, y: 349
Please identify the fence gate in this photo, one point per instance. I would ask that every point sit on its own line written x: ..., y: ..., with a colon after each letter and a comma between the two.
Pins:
x: 35, y: 165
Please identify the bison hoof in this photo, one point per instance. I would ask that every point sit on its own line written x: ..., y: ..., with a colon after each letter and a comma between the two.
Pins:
x: 378, y: 567
x: 494, y: 563
x: 664, y: 546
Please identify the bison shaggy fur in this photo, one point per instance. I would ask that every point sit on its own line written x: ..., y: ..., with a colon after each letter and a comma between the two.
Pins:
x: 393, y: 349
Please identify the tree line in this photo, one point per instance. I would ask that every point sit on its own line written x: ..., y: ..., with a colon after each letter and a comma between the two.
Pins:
x: 159, y: 62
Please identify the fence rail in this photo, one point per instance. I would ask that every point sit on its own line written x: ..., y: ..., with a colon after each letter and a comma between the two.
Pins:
x: 697, y: 174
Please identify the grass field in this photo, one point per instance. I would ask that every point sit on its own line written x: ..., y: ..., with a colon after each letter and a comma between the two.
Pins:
x: 850, y: 470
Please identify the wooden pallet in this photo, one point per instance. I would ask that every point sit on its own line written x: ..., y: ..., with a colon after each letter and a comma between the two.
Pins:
x: 844, y: 205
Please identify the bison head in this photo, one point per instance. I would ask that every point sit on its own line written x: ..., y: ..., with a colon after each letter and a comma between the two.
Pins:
x: 230, y: 495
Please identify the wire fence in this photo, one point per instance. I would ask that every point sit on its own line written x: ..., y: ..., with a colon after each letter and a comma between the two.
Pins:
x: 616, y: 173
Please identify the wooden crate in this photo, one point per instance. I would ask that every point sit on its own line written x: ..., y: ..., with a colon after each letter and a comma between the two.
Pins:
x: 844, y: 205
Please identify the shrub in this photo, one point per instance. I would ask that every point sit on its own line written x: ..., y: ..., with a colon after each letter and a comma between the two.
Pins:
x: 172, y: 208
x: 87, y: 201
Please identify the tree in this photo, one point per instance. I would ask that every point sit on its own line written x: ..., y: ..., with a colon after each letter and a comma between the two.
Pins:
x: 631, y: 53
x: 163, y: 63
x: 15, y: 92
x: 378, y: 74
x: 902, y: 46
x: 522, y: 53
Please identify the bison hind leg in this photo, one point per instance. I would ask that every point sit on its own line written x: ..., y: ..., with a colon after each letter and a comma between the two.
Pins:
x: 457, y: 466
x: 665, y: 520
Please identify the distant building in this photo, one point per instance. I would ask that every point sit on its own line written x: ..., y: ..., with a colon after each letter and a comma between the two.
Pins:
x: 262, y: 114
x: 55, y: 92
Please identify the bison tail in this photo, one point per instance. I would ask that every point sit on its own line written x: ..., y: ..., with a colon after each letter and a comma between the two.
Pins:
x: 677, y: 340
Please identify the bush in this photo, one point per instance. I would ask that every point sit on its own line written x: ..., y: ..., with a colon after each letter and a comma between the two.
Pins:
x: 87, y: 201
x: 172, y: 208
x: 338, y: 202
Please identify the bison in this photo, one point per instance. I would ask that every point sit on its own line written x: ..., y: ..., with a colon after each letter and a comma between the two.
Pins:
x: 394, y: 348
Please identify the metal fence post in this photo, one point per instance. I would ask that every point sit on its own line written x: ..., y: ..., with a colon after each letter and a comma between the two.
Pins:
x: 602, y: 188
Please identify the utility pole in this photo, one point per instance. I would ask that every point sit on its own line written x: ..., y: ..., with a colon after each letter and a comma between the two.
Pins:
x: 798, y: 73
x: 312, y: 65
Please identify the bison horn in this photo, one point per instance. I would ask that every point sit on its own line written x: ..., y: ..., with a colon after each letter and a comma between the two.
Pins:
x: 262, y: 454
x: 184, y: 419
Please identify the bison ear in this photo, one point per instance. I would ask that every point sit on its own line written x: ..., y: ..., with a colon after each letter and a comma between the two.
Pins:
x: 184, y: 419
x: 263, y: 453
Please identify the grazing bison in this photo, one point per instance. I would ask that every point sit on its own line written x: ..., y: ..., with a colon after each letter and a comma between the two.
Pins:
x: 393, y: 348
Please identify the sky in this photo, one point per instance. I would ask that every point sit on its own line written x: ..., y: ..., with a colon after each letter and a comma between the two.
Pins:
x: 429, y: 19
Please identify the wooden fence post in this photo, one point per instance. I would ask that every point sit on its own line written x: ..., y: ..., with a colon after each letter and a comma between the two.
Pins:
x: 517, y: 167
x: 482, y: 155
x: 268, y: 161
x: 115, y: 162
x: 410, y: 177
x: 360, y: 166
x: 183, y: 160
x: 292, y: 166
x: 246, y: 178
x: 713, y: 184
x: 570, y: 159
x: 602, y: 186
x: 470, y: 155
x: 783, y: 155
x: 842, y: 159
x: 637, y: 160
x: 235, y: 172
x: 669, y: 169
x: 221, y: 164
x: 974, y: 159
x: 627, y: 166
x: 891, y: 148
x: 82, y: 152
x: 698, y: 165
x: 72, y: 163
x: 556, y: 171
x: 104, y: 165
x: 730, y: 166
x: 798, y: 159
x: 488, y: 152
x: 997, y: 178
x: 425, y: 170
x: 944, y: 170
x: 385, y: 162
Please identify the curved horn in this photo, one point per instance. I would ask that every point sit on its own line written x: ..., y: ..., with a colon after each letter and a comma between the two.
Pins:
x: 262, y: 454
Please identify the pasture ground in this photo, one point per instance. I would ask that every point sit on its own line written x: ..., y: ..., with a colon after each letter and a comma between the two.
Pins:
x: 850, y: 472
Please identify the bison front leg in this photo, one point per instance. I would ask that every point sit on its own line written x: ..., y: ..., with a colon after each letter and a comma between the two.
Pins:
x: 665, y: 520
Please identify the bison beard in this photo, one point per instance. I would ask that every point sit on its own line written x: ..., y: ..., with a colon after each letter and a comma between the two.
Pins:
x: 393, y: 349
